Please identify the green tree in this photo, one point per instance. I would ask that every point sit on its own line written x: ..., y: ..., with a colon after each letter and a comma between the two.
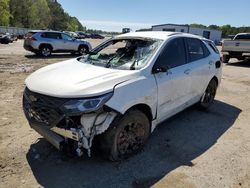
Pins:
x: 41, y: 14
x: 4, y: 12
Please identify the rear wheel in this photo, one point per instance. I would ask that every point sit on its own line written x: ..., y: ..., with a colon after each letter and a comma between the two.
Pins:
x: 45, y: 51
x: 125, y: 136
x: 208, y: 97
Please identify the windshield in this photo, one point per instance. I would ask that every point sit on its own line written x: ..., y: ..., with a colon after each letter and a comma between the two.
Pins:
x: 123, y: 54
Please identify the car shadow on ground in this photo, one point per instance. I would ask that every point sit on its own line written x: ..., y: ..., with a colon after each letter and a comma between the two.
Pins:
x: 174, y: 143
x: 245, y: 63
x: 52, y: 56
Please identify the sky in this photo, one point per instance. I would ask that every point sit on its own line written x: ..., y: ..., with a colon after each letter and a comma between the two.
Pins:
x: 113, y: 15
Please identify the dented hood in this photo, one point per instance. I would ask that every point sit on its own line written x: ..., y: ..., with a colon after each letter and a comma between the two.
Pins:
x: 72, y: 79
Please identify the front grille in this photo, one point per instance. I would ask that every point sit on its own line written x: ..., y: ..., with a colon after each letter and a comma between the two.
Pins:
x: 42, y: 109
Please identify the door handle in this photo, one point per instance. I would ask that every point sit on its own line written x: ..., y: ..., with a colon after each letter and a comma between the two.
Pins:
x: 187, y: 71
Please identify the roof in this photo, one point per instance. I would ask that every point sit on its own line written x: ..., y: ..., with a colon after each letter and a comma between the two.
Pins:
x: 181, y: 25
x: 162, y: 35
x: 148, y: 34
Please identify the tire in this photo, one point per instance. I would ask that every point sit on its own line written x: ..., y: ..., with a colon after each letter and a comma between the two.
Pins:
x: 126, y: 136
x: 82, y: 50
x: 45, y: 51
x: 225, y: 58
x: 208, y: 97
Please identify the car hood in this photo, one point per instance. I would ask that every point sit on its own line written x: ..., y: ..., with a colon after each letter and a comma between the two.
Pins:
x: 73, y: 79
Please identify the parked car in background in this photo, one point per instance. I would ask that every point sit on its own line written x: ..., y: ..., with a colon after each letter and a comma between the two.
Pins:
x: 5, y: 39
x: 46, y: 42
x: 118, y: 93
x: 238, y: 47
x: 82, y: 35
x: 72, y: 34
x: 96, y: 36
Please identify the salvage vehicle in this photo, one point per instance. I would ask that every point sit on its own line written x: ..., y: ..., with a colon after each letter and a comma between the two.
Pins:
x: 238, y: 47
x: 118, y: 93
x: 46, y: 42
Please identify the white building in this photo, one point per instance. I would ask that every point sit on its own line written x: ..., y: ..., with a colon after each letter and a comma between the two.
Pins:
x: 214, y: 35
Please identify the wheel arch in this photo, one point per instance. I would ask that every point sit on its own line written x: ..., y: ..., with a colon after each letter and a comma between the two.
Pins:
x: 144, y: 108
x: 83, y: 45
x: 45, y: 44
x: 216, y: 80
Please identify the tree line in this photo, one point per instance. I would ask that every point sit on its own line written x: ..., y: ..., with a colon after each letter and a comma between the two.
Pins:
x: 37, y: 14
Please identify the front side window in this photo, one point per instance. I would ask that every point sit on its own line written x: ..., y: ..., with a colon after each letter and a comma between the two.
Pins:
x: 123, y: 54
x: 173, y: 54
x: 66, y: 37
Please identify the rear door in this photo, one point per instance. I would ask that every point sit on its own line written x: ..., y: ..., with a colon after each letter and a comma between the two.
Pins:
x: 201, y: 65
x: 174, y: 86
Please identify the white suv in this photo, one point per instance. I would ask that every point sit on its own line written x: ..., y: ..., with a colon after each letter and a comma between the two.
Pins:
x: 121, y: 90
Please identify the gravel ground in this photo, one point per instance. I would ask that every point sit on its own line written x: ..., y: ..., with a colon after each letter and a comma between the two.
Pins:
x: 192, y: 149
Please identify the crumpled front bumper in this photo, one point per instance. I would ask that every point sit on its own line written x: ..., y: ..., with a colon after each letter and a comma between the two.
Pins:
x: 55, y: 139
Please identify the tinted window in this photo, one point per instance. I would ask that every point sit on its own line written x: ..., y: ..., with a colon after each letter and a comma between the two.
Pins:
x: 51, y: 35
x: 196, y: 49
x: 66, y: 37
x: 242, y: 37
x: 205, y: 50
x: 173, y: 54
x: 214, y: 48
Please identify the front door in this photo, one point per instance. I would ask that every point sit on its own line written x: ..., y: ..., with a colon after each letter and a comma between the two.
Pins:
x: 68, y: 43
x: 174, y: 86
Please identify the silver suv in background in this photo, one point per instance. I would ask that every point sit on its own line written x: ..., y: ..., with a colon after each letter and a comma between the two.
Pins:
x: 45, y: 42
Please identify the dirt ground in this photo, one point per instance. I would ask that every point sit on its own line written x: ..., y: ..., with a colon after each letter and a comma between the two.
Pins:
x: 192, y: 149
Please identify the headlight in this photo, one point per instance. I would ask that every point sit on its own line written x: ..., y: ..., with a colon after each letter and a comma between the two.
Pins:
x: 77, y: 106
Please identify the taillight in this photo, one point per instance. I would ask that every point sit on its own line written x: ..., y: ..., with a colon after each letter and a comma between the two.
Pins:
x: 32, y: 38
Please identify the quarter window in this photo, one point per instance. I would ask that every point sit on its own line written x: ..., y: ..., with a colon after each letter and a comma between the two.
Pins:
x: 173, y: 54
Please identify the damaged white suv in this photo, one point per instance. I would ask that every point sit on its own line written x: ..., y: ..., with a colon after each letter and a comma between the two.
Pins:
x: 121, y: 90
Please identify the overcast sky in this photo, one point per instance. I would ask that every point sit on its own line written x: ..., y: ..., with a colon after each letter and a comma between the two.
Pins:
x: 113, y: 15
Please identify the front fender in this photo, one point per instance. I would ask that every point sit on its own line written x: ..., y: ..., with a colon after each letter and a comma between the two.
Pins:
x: 141, y: 90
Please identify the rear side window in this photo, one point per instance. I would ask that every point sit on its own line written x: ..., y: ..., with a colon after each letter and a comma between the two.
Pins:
x: 196, y: 49
x: 51, y: 35
x: 173, y: 54
x: 242, y: 37
x: 214, y: 48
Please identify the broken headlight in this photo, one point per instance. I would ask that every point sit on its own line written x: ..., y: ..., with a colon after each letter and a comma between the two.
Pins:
x: 78, y: 106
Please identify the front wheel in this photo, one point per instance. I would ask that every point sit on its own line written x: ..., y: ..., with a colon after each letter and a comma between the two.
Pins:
x: 208, y: 97
x: 125, y: 136
x: 82, y: 50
